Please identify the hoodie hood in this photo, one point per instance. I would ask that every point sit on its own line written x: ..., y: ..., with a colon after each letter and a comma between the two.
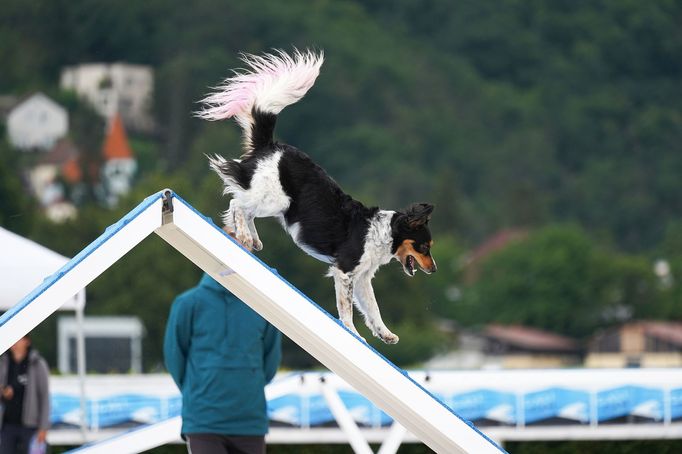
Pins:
x: 209, y: 283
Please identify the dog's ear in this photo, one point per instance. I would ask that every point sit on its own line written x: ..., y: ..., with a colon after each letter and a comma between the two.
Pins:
x: 418, y: 215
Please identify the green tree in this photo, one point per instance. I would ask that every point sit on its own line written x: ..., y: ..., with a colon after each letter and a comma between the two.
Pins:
x: 560, y: 280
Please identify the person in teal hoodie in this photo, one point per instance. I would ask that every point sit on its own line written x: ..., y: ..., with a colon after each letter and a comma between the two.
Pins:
x: 221, y: 354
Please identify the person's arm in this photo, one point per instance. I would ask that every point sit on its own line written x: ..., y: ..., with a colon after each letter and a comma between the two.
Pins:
x: 177, y: 339
x: 7, y: 393
x: 272, y: 351
x: 43, y: 382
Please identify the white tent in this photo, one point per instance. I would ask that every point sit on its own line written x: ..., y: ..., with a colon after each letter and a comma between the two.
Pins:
x: 24, y: 265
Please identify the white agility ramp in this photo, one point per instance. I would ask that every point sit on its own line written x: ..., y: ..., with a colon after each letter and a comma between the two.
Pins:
x: 296, y: 316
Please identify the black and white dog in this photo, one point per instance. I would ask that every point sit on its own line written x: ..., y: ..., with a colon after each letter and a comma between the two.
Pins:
x: 272, y: 179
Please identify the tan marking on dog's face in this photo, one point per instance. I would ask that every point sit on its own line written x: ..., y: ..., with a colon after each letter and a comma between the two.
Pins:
x: 422, y: 257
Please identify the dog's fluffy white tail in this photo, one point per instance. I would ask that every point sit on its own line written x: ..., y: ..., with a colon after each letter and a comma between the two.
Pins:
x: 269, y: 84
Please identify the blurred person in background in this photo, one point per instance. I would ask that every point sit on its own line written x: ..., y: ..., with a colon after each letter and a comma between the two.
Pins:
x: 25, y: 398
x: 221, y: 354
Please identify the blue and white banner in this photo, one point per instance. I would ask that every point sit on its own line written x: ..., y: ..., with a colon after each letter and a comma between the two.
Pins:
x: 495, y: 397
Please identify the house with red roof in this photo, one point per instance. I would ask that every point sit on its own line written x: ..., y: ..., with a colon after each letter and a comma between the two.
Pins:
x: 509, y: 347
x: 51, y: 174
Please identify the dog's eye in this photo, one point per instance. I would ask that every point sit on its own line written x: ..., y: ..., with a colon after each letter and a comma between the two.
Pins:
x: 424, y: 249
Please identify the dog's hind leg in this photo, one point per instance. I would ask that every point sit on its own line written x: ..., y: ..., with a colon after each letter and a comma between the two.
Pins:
x: 367, y: 304
x: 257, y: 243
x: 241, y: 226
x: 228, y: 219
x: 343, y: 284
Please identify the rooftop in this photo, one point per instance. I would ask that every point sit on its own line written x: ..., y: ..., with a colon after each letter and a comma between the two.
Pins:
x: 529, y: 338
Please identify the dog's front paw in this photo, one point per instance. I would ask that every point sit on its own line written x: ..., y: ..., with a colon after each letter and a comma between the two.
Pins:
x: 257, y: 245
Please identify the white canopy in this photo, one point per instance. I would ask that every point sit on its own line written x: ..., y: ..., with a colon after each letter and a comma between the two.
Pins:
x: 24, y: 264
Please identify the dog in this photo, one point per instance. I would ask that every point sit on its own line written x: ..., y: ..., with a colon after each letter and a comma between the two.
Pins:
x: 273, y: 179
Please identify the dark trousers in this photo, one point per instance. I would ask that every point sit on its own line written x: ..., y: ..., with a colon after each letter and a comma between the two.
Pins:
x: 15, y: 439
x: 223, y: 444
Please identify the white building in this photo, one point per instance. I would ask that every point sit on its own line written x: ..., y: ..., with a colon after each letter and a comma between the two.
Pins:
x: 114, y: 88
x: 112, y: 344
x: 37, y: 123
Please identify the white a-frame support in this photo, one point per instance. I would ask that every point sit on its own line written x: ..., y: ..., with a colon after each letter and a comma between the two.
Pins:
x: 316, y: 331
